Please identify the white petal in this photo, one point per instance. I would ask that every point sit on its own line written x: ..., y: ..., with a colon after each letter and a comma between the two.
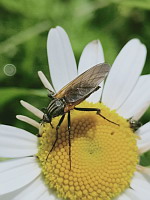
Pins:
x: 144, y: 170
x: 33, y: 191
x: 47, y: 196
x: 16, y: 142
x: 17, y: 173
x: 92, y: 55
x: 123, y: 197
x: 135, y: 195
x: 124, y: 74
x: 11, y: 195
x: 144, y: 148
x: 138, y: 101
x: 143, y: 145
x: 28, y: 120
x: 61, y: 59
x: 32, y: 109
x: 139, y: 179
x: 144, y: 129
x: 36, y: 190
x: 144, y: 141
x: 45, y: 81
x: 140, y: 186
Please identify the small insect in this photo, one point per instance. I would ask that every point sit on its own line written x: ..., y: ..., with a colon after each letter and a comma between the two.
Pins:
x: 73, y: 94
x: 134, y: 124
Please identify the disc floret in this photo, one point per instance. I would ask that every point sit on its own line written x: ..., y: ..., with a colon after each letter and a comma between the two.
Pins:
x: 103, y: 155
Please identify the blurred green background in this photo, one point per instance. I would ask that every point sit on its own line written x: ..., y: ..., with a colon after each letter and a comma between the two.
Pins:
x: 24, y: 25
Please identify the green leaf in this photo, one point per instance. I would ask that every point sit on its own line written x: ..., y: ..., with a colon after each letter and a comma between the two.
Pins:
x: 7, y: 94
x: 144, y: 4
x: 23, y: 36
x: 145, y: 159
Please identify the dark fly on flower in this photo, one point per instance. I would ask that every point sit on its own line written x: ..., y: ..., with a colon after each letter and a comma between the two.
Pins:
x: 73, y: 94
x: 134, y: 124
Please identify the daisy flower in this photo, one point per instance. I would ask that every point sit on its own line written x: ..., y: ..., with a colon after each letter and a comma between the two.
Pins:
x: 104, y: 157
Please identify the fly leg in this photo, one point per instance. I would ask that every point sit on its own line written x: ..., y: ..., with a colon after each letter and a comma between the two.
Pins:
x: 69, y: 139
x: 97, y: 112
x: 57, y: 128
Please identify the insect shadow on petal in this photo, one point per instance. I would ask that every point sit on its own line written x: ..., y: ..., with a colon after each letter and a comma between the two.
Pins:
x: 73, y: 94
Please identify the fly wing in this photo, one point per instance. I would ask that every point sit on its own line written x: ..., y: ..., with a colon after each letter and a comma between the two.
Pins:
x: 82, y: 86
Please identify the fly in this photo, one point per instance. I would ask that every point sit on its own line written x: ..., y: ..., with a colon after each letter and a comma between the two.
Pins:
x: 73, y: 94
x: 134, y: 124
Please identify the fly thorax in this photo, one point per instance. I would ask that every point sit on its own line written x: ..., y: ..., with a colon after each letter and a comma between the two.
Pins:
x: 56, y: 107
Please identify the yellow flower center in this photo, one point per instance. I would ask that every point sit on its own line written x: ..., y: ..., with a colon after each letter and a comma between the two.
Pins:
x: 103, y: 155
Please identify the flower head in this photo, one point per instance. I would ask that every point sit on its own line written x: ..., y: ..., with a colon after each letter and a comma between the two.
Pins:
x: 104, y: 157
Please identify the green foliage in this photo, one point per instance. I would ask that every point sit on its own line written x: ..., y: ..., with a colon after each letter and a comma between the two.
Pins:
x: 8, y: 94
x: 145, y: 159
x: 136, y: 3
x: 23, y: 34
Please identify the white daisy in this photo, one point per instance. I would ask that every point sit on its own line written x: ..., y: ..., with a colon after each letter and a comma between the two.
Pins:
x: 105, y: 157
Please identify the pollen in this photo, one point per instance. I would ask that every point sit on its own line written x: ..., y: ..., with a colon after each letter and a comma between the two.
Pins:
x: 104, y: 155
